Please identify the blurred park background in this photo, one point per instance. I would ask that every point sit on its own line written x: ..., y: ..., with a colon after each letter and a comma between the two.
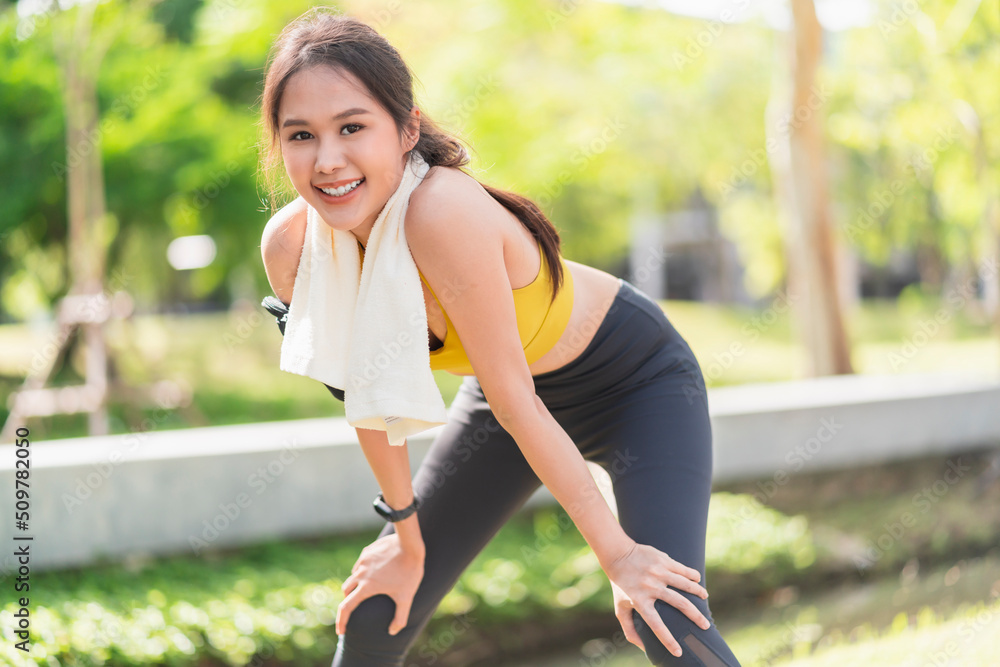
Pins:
x: 810, y: 189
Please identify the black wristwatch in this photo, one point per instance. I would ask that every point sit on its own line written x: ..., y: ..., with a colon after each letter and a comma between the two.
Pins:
x: 390, y: 514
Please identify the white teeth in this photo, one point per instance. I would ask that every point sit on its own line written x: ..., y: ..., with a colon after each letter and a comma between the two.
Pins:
x: 342, y: 190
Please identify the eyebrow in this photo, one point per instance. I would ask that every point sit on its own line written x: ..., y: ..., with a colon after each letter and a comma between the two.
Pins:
x: 355, y: 111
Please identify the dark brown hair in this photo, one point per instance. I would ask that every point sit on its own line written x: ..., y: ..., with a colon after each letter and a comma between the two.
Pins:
x: 319, y: 37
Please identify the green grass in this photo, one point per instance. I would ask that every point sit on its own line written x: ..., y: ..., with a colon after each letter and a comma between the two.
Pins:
x: 281, y: 597
x: 230, y: 362
x: 769, y: 568
x: 928, y: 583
x: 968, y: 637
x: 947, y: 616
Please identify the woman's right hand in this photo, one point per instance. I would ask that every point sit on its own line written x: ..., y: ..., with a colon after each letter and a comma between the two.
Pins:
x: 642, y: 576
x: 384, y: 566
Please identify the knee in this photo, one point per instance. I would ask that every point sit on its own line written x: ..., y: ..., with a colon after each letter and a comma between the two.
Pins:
x: 367, y: 632
x: 695, y: 642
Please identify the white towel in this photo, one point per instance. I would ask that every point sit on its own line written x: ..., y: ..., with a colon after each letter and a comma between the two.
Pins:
x: 367, y: 333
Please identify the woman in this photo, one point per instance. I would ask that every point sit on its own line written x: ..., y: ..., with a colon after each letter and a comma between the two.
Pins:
x: 561, y: 365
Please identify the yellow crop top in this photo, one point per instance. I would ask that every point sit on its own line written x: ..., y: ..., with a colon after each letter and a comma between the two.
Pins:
x: 540, y: 320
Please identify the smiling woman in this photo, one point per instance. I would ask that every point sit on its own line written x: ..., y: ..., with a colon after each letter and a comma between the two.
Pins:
x: 565, y: 364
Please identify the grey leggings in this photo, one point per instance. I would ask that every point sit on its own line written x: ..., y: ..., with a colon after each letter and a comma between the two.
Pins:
x: 634, y: 402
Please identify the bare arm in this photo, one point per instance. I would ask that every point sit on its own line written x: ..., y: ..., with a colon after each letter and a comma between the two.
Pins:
x: 281, y: 247
x: 554, y: 457
x: 459, y: 249
x: 391, y: 466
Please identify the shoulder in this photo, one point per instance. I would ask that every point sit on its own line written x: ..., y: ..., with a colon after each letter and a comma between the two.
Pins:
x: 451, y: 208
x: 455, y: 233
x: 281, y: 247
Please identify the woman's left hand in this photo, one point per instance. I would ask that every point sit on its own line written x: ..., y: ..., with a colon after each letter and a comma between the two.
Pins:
x: 383, y: 567
x: 642, y: 576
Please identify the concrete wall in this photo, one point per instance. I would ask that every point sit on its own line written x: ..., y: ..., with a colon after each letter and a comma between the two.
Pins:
x: 182, y: 491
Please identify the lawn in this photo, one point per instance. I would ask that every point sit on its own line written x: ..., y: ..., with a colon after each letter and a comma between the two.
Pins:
x: 785, y: 587
x: 229, y: 362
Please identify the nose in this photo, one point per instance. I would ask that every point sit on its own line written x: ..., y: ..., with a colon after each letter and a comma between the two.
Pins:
x: 329, y: 157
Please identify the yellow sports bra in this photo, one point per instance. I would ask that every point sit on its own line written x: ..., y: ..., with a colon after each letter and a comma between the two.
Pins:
x: 540, y: 320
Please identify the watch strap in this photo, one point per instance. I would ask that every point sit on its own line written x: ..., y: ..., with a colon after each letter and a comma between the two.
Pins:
x: 393, y: 515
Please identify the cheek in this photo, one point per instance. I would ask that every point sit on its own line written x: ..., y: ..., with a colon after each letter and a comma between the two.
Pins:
x: 296, y: 164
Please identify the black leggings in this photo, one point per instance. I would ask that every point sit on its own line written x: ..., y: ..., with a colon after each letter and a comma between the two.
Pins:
x: 634, y: 402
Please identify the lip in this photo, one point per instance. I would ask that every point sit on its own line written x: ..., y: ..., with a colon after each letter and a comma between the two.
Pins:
x: 349, y: 197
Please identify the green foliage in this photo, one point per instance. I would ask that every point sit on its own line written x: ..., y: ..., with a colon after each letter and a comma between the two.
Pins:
x: 280, y: 599
x: 230, y: 361
x: 744, y: 535
x: 585, y: 107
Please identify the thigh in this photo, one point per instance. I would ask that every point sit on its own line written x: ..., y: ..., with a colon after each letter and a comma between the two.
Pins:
x: 658, y: 453
x: 472, y: 480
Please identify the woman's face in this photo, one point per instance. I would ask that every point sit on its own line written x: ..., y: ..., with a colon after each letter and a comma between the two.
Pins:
x: 333, y: 134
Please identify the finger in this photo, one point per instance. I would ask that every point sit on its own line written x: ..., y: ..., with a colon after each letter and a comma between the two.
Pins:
x: 680, y: 568
x: 659, y: 628
x: 688, y: 608
x: 628, y: 625
x: 685, y: 584
x: 686, y: 578
x: 345, y: 609
x: 349, y: 585
x: 401, y: 619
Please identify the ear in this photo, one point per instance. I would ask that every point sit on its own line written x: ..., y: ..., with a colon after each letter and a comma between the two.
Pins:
x: 413, y: 128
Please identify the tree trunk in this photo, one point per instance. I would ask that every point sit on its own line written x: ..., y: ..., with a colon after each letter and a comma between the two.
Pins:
x: 799, y: 164
x: 86, y: 204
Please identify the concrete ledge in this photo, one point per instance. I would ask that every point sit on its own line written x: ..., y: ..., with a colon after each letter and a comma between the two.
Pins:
x: 183, y: 491
x: 761, y: 430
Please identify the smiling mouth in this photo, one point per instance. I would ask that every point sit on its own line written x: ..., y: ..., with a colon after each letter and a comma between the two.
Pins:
x: 342, y: 190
